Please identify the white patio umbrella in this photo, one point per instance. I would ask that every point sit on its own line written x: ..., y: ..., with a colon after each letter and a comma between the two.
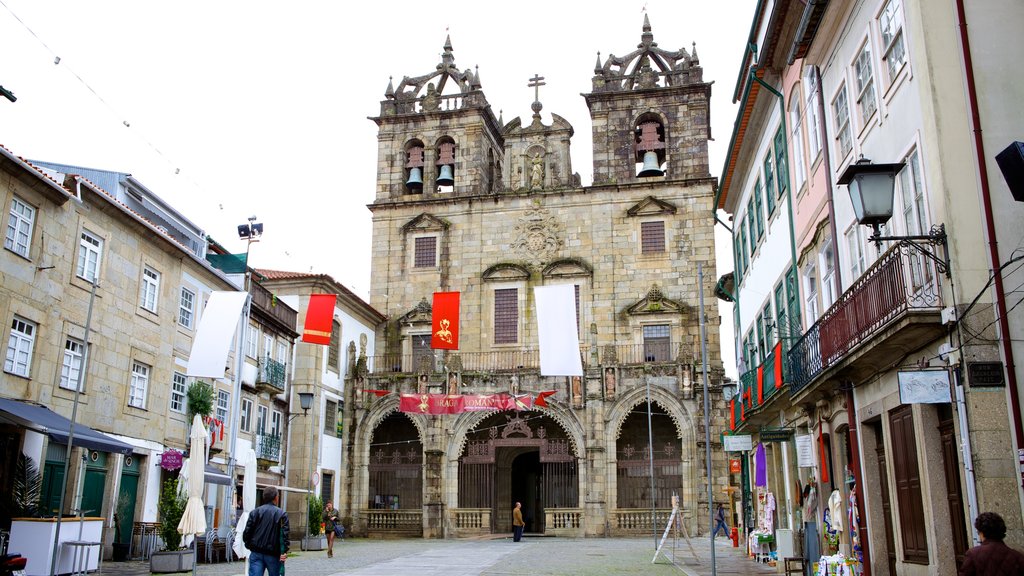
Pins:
x: 187, y: 539
x: 193, y: 521
x: 248, y: 460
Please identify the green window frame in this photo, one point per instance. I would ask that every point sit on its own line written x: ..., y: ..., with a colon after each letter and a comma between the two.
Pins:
x: 781, y: 162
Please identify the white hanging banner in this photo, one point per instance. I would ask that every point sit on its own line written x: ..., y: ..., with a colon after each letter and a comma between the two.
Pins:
x: 210, y: 346
x: 557, y: 331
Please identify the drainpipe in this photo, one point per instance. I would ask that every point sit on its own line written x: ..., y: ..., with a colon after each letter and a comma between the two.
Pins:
x: 990, y: 230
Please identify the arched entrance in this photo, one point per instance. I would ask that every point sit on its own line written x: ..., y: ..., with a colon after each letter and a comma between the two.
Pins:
x: 518, y: 457
x: 633, y: 460
x: 395, y: 487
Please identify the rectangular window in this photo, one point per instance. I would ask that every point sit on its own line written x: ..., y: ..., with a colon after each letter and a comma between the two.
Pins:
x: 331, y: 418
x: 19, y: 347
x: 275, y: 423
x: 811, y: 293
x: 657, y: 343
x: 223, y: 398
x: 90, y: 255
x: 866, y: 104
x: 908, y: 485
x: 150, y: 289
x: 813, y: 121
x: 796, y: 125
x: 769, y: 182
x: 652, y: 237
x: 915, y: 217
x: 178, y: 391
x: 738, y: 246
x: 71, y: 368
x: 752, y: 224
x: 187, y: 308
x: 782, y: 321
x: 139, y: 385
x: 268, y: 345
x: 769, y: 327
x: 506, y: 316
x: 19, y: 227
x: 855, y: 244
x: 252, y: 341
x: 759, y: 340
x: 793, y: 298
x: 828, y: 271
x: 327, y: 488
x: 261, y: 419
x: 890, y: 27
x: 421, y: 348
x: 425, y: 253
x: 282, y: 353
x: 743, y: 246
x: 245, y: 418
x: 758, y: 214
x: 841, y: 113
x: 334, y: 348
x: 781, y: 164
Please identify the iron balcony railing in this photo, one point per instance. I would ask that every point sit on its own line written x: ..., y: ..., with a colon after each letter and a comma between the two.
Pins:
x: 758, y: 386
x: 900, y: 281
x: 268, y: 447
x: 271, y: 374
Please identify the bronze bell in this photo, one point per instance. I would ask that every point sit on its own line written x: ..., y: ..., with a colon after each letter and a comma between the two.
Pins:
x: 415, y: 181
x: 651, y: 166
x: 446, y: 177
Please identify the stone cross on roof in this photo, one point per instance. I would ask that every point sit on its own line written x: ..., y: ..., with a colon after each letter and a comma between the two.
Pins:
x: 536, y: 82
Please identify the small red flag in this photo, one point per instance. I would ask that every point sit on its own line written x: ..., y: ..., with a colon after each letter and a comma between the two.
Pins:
x: 760, y: 384
x: 541, y: 398
x: 319, y: 318
x: 444, y: 333
x: 377, y: 393
x: 732, y: 414
x: 778, y: 364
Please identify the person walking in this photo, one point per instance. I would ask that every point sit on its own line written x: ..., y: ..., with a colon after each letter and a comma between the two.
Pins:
x: 992, y: 556
x: 720, y: 521
x: 331, y: 524
x: 262, y: 536
x: 517, y: 522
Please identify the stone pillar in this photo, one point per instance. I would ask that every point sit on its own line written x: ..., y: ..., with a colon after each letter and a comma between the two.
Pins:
x: 433, y: 499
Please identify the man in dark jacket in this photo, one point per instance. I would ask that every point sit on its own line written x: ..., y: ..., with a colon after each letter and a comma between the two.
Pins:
x: 992, y: 557
x: 266, y: 536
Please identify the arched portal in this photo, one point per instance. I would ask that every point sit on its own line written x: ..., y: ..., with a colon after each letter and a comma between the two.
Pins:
x: 521, y: 457
x: 396, y: 465
x: 633, y: 460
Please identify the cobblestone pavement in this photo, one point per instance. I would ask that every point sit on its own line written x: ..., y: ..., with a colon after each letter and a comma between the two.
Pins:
x: 536, y: 556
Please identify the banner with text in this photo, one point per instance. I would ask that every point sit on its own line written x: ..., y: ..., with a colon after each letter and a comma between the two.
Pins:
x: 459, y: 403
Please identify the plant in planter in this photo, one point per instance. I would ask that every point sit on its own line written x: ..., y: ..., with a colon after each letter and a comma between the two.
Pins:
x: 123, y: 512
x: 200, y: 399
x: 314, y: 523
x: 169, y: 512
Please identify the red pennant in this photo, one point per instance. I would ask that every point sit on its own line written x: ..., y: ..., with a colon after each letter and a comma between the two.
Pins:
x: 540, y: 400
x: 377, y: 393
x: 821, y: 446
x: 760, y: 384
x: 732, y: 414
x: 778, y: 364
x: 319, y: 318
x: 445, y: 323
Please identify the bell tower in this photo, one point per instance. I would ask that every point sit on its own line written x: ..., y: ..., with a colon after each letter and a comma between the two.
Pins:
x: 437, y: 136
x: 650, y: 115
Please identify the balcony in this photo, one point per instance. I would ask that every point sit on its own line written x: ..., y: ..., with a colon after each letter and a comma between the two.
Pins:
x: 272, y: 309
x: 271, y: 376
x: 758, y: 389
x: 893, y: 309
x: 268, y: 449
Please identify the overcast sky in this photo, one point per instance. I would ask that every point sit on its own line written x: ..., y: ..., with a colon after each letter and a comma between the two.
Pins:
x: 232, y: 109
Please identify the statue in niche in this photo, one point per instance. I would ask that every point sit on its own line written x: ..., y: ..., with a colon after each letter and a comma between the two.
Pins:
x: 609, y: 382
x: 536, y: 172
x: 577, y: 391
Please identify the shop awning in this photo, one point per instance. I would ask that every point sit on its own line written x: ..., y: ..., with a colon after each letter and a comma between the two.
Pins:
x: 215, y: 475
x: 46, y: 421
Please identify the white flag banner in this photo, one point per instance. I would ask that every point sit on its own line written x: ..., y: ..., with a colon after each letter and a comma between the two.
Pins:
x: 213, y: 338
x: 556, y: 327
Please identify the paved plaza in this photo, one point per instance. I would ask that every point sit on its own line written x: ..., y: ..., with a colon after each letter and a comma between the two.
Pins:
x: 493, y: 557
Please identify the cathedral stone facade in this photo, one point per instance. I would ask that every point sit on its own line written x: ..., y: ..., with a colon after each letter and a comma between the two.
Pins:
x: 467, y: 203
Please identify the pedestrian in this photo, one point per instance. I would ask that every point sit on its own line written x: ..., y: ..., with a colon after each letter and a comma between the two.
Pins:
x: 332, y: 524
x: 263, y: 536
x: 517, y: 523
x: 720, y: 521
x: 992, y: 556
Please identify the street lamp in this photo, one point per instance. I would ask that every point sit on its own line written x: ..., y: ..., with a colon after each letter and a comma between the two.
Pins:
x: 306, y: 402
x: 872, y: 187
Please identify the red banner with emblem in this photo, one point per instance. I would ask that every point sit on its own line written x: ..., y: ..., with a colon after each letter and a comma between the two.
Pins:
x: 444, y: 334
x: 459, y: 403
x: 319, y: 318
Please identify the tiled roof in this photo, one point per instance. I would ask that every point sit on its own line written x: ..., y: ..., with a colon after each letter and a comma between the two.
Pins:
x: 284, y: 275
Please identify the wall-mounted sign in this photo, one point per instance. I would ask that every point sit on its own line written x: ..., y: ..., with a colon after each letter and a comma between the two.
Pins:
x: 737, y: 443
x: 924, y: 386
x: 804, y: 451
x: 170, y: 459
x: 735, y: 466
x: 776, y: 434
x: 985, y: 374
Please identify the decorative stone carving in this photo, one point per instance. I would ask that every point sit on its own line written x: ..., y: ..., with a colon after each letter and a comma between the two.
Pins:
x: 537, y: 236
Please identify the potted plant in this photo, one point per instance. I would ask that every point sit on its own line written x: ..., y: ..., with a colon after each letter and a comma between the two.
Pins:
x: 124, y: 511
x: 199, y: 399
x: 173, y: 558
x: 314, y: 519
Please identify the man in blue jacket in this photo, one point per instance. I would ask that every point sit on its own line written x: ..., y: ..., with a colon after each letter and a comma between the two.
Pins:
x: 266, y: 536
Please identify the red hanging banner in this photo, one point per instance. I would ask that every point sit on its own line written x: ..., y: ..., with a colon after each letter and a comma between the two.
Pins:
x: 778, y: 364
x: 760, y: 384
x: 732, y: 414
x: 459, y: 403
x: 824, y: 454
x: 319, y: 318
x: 444, y: 333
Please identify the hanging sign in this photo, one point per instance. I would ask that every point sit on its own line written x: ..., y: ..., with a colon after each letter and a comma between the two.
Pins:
x: 737, y: 443
x: 804, y: 451
x: 776, y: 434
x: 735, y: 466
x: 170, y: 459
